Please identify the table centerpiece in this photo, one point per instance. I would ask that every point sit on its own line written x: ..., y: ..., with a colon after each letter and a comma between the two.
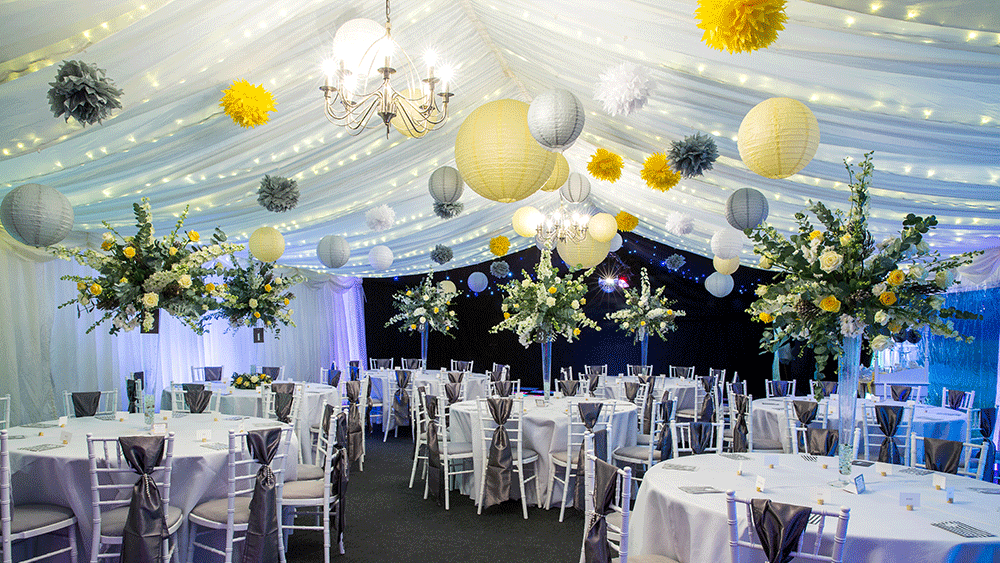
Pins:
x: 646, y: 312
x: 423, y: 308
x: 255, y: 295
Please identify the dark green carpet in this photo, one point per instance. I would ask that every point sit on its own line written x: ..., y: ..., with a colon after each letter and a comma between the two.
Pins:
x: 389, y: 522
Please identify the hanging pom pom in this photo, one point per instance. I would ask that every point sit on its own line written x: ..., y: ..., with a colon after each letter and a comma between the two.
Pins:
x: 624, y: 89
x: 674, y: 262
x: 500, y: 269
x: 694, y: 155
x: 679, y: 223
x: 658, y: 173
x: 447, y: 210
x: 82, y: 91
x: 441, y: 254
x: 626, y: 221
x: 278, y: 194
x: 605, y: 165
x: 380, y: 218
x: 246, y: 104
x: 740, y: 26
x: 499, y: 245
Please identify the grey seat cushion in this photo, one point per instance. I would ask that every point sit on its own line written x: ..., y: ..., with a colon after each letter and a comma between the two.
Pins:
x: 643, y: 439
x: 560, y: 457
x: 217, y: 510
x: 113, y: 521
x: 308, y: 472
x: 527, y: 454
x: 303, y: 490
x: 638, y: 453
x: 32, y: 516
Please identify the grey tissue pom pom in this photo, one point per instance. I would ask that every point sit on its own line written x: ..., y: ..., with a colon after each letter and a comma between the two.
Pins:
x: 278, y: 194
x: 447, y: 210
x: 82, y: 92
x: 441, y: 254
x: 500, y: 269
x: 674, y: 262
x: 694, y: 155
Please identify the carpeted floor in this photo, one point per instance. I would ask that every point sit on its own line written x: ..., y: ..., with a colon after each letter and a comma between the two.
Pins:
x: 389, y: 522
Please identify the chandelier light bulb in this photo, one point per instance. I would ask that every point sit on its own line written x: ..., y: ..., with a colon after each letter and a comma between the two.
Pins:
x: 430, y: 57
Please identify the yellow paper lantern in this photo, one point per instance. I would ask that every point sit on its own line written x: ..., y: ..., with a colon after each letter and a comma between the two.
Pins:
x: 602, y: 227
x: 560, y: 173
x: 724, y: 266
x: 411, y: 108
x: 267, y: 244
x: 525, y: 221
x: 778, y: 137
x: 496, y: 154
x: 584, y: 254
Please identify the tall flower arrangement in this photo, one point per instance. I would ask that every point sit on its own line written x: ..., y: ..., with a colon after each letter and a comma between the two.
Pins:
x: 139, y: 274
x: 540, y: 309
x: 646, y: 311
x: 254, y: 294
x: 425, y: 303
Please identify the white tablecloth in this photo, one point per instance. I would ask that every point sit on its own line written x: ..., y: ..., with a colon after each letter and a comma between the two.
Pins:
x: 62, y: 475
x: 693, y: 527
x: 545, y: 431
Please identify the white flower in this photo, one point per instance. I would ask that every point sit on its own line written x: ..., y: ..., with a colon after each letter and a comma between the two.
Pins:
x: 917, y: 272
x: 108, y: 237
x: 878, y: 289
x: 252, y: 303
x: 923, y: 247
x: 881, y: 342
x: 254, y: 379
x: 849, y: 326
x: 944, y: 278
x: 761, y: 290
x: 452, y: 313
x: 882, y: 317
x: 525, y: 282
x: 419, y: 311
x: 184, y: 281
x: 147, y: 324
x: 663, y: 325
x: 151, y: 300
x: 426, y: 297
x: 765, y: 263
x: 936, y: 302
x: 550, y: 301
x: 625, y: 324
x: 423, y: 320
x: 655, y: 313
x: 278, y: 281
x: 575, y: 304
x: 830, y: 261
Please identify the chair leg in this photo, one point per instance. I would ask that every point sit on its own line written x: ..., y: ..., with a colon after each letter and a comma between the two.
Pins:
x: 446, y: 481
x: 482, y: 488
x: 326, y: 535
x: 416, y: 459
x: 71, y: 533
x: 524, y: 497
x: 562, y: 509
x: 192, y: 536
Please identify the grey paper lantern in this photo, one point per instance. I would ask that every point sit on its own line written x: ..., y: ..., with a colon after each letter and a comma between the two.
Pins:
x: 616, y: 242
x: 333, y: 251
x: 380, y: 257
x: 576, y: 188
x: 446, y: 185
x: 727, y: 243
x: 36, y: 215
x: 746, y: 209
x: 478, y: 281
x: 719, y: 285
x: 555, y: 119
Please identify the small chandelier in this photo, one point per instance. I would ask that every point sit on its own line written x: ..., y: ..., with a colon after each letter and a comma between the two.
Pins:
x: 350, y: 101
x: 561, y: 225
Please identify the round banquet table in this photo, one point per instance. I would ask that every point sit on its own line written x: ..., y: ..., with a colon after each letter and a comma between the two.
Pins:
x: 693, y: 527
x: 681, y: 389
x: 62, y: 475
x: 545, y: 431
x: 770, y: 425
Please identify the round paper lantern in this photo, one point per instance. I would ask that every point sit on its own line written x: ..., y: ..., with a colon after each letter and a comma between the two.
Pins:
x: 411, y: 109
x: 584, y: 254
x: 497, y: 156
x: 727, y: 243
x: 36, y: 215
x: 555, y: 119
x: 353, y: 44
x: 719, y: 285
x: 746, y: 209
x: 446, y: 185
x: 448, y: 286
x: 333, y: 251
x: 478, y: 281
x: 603, y: 227
x: 525, y: 221
x: 616, y: 242
x: 778, y: 137
x: 267, y: 244
x: 724, y: 266
x: 560, y: 172
x: 380, y: 257
x: 576, y: 189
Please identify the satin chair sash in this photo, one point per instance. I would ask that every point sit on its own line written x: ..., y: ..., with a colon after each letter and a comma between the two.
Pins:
x: 401, y: 399
x: 569, y: 386
x: 741, y: 431
x: 355, y: 430
x: 778, y: 527
x: 85, y: 403
x: 900, y: 393
x: 822, y: 441
x: 261, y: 542
x: 942, y: 455
x: 500, y: 462
x: 595, y: 546
x: 146, y: 523
x: 197, y: 400
x: 805, y: 411
x: 888, y: 418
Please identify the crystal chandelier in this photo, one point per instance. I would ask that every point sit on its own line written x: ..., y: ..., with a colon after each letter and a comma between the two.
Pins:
x: 355, y: 91
x: 561, y: 225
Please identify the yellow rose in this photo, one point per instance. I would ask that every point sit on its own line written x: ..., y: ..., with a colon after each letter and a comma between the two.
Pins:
x: 129, y: 252
x: 209, y: 287
x: 506, y: 316
x: 267, y: 287
x: 896, y: 277
x: 583, y: 301
x: 670, y: 312
x: 413, y: 327
x: 194, y: 236
x: 106, y: 245
x: 887, y: 298
x: 817, y: 234
x: 286, y: 301
x: 409, y: 293
x: 846, y: 239
x: 151, y: 300
x: 830, y: 304
x: 81, y: 286
x: 256, y: 314
x: 95, y: 289
x: 642, y: 323
x: 576, y: 332
x: 895, y: 326
x: 123, y: 280
x: 436, y: 309
x: 552, y: 289
x: 172, y: 251
x: 765, y: 317
x: 239, y: 380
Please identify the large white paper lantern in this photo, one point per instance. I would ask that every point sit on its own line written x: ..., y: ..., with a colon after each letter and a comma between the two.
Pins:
x: 603, y: 227
x: 584, y: 254
x: 555, y: 119
x: 448, y: 286
x: 354, y: 44
x: 380, y: 257
x: 333, y: 251
x: 719, y: 285
x: 525, y: 221
x: 560, y: 172
x: 727, y: 243
x: 746, y: 208
x: 36, y: 215
x: 446, y: 185
x: 576, y: 189
x: 267, y: 244
x: 778, y: 137
x: 478, y: 281
x: 616, y: 242
x: 726, y: 267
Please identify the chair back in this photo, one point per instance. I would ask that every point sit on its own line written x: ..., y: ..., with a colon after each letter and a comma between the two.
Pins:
x: 599, y: 370
x: 971, y: 462
x: 832, y: 551
x: 107, y: 404
x: 267, y: 402
x: 873, y: 436
x: 731, y: 414
x: 276, y: 373
x: 207, y: 373
x: 241, y: 470
x: 493, y: 387
x: 4, y: 412
x: 414, y: 364
x: 779, y: 388
x: 462, y: 365
x: 795, y: 425
x: 718, y: 374
x: 950, y: 398
x: 635, y: 370
x: 566, y: 372
x: 686, y: 372
x: 381, y: 363
x: 513, y: 426
x: 576, y: 428
x: 686, y: 438
x: 622, y: 485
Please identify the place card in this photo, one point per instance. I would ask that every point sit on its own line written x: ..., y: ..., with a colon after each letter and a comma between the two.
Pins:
x: 63, y: 420
x: 948, y: 495
x: 241, y: 428
x: 203, y: 435
x: 539, y: 402
x: 821, y: 494
x: 739, y: 470
x: 41, y: 447
x: 883, y: 469
x: 772, y: 460
x: 65, y: 437
x: 699, y: 490
x: 962, y: 529
x: 760, y: 483
x: 857, y: 486
x: 909, y: 500
x: 939, y: 481
x: 122, y: 416
x: 158, y: 428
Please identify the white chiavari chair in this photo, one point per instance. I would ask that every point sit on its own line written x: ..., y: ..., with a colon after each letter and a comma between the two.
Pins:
x: 832, y: 553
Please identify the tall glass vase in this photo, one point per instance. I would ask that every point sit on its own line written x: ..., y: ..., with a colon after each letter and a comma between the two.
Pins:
x: 847, y: 394
x: 644, y: 339
x: 546, y: 367
x: 425, y: 331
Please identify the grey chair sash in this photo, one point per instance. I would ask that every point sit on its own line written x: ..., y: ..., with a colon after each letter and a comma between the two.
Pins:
x: 283, y: 406
x: 595, y: 546
x: 132, y: 392
x: 500, y: 463
x: 589, y: 414
x: 383, y: 363
x: 822, y: 441
x: 340, y: 468
x: 647, y: 410
x: 900, y: 393
x: 701, y: 437
x: 272, y: 372
x: 333, y: 378
x: 593, y: 370
x: 779, y: 388
x: 412, y: 363
x: 496, y: 374
x: 261, y: 543
x: 213, y: 373
x: 987, y: 421
x: 741, y: 432
x: 665, y: 443
x: 146, y: 524
x: 888, y: 420
x: 462, y: 365
x: 862, y: 389
x: 707, y: 382
x: 453, y: 391
x: 197, y: 400
x: 707, y: 412
x: 283, y: 387
x: 955, y: 398
x: 631, y: 390
x: 401, y: 399
x: 569, y: 386
x: 85, y: 403
x: 805, y: 411
x: 458, y: 376
x: 503, y: 388
x: 593, y: 382
x: 355, y: 430
x: 942, y: 455
x: 739, y: 388
x: 435, y: 469
x: 778, y: 527
x: 353, y: 373
x: 324, y: 424
x: 827, y: 388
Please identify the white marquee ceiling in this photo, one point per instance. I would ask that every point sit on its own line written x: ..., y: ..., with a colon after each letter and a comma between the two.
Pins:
x: 918, y: 82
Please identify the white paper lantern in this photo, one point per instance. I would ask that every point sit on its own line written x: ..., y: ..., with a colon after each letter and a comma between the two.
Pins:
x: 778, y: 137
x: 333, y: 251
x: 584, y: 254
x: 354, y: 45
x: 719, y: 285
x: 726, y: 267
x: 36, y: 215
x: 746, y: 209
x: 380, y: 257
x: 448, y: 286
x: 525, y: 221
x: 603, y: 227
x: 616, y: 242
x: 576, y: 189
x: 555, y: 119
x: 446, y: 185
x: 727, y: 243
x: 478, y: 281
x: 267, y: 244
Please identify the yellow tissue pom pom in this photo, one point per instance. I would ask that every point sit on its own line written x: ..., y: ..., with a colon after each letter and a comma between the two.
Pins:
x: 129, y: 252
x: 830, y: 304
x: 626, y: 221
x: 499, y: 245
x: 658, y: 173
x: 248, y: 105
x: 605, y: 165
x: 740, y: 26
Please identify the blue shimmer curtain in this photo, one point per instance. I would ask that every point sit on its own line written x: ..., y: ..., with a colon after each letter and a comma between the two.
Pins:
x: 957, y: 365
